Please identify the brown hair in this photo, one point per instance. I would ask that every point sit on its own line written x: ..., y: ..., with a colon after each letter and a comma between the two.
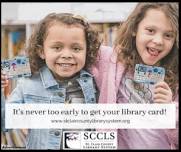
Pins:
x: 125, y: 43
x: 40, y: 33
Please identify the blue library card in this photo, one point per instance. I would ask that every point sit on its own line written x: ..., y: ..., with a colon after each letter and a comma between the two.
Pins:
x: 17, y: 67
x: 148, y: 74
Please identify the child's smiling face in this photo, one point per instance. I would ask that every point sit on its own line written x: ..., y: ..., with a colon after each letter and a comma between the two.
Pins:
x: 64, y: 50
x: 154, y: 37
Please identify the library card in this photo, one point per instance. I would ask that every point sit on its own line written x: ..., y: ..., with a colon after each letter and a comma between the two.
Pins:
x: 17, y: 67
x: 148, y: 74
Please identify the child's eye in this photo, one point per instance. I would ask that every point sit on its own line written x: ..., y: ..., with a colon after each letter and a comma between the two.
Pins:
x: 150, y: 31
x: 57, y: 48
x: 169, y: 36
x: 76, y: 49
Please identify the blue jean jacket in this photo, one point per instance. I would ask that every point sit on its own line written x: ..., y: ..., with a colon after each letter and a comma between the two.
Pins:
x: 43, y: 88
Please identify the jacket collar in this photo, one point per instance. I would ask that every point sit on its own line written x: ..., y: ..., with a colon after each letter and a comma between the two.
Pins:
x: 48, y: 79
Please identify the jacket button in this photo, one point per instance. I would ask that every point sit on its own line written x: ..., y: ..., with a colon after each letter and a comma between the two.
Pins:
x: 57, y: 133
x: 85, y: 80
x: 60, y: 94
x: 92, y: 99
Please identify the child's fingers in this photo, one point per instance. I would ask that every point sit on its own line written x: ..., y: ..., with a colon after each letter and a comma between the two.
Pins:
x: 159, y: 96
x: 162, y: 93
x: 160, y: 90
x: 4, y: 77
x: 3, y: 86
x: 4, y: 81
x: 159, y: 100
x: 162, y: 98
x: 162, y: 84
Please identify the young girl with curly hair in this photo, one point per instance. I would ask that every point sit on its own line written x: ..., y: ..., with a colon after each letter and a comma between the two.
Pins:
x: 61, y: 49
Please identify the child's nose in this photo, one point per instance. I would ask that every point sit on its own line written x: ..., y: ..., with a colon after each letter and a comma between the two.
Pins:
x: 66, y: 54
x: 158, y: 39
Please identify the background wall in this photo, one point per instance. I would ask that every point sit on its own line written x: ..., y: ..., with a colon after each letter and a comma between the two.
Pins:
x: 96, y: 12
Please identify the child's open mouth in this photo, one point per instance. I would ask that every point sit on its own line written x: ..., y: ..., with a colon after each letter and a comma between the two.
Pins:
x: 66, y: 65
x: 153, y: 51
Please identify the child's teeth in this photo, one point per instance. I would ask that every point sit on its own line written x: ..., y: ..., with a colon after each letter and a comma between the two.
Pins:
x: 65, y: 65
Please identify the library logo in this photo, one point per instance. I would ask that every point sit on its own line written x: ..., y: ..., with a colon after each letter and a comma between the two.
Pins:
x: 71, y: 140
x: 89, y: 140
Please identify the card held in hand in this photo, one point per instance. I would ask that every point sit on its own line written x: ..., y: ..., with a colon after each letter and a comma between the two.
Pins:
x: 148, y: 74
x: 17, y: 67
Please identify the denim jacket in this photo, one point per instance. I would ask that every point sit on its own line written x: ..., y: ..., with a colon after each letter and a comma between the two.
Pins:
x: 43, y: 88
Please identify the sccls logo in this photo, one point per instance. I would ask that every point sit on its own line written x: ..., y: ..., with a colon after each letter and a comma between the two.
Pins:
x: 89, y: 140
x: 71, y: 140
x: 98, y: 135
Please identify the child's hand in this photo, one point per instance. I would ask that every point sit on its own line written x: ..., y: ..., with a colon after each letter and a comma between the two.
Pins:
x: 162, y: 93
x: 4, y: 80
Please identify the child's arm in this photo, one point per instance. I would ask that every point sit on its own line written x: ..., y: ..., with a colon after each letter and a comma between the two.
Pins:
x: 16, y: 97
x: 101, y: 64
x: 163, y: 94
x: 4, y: 83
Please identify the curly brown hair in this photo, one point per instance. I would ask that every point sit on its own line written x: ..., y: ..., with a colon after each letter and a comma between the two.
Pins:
x: 40, y: 33
x: 125, y: 43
